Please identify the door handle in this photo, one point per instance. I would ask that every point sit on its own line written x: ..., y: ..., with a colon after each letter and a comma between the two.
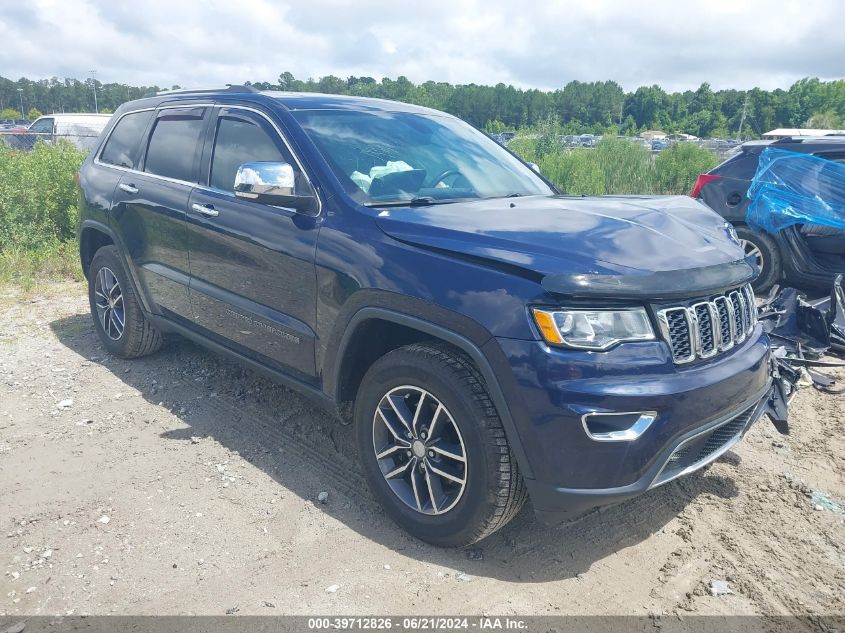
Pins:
x: 128, y: 188
x: 205, y: 209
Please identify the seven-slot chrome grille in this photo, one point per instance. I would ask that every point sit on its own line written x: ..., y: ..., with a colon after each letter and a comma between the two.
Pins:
x: 705, y: 328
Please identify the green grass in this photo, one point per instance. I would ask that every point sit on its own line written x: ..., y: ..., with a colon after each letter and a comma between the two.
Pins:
x: 616, y: 166
x: 30, y: 268
x: 38, y: 214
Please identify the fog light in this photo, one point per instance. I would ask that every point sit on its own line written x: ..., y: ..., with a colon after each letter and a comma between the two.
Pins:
x: 617, y: 427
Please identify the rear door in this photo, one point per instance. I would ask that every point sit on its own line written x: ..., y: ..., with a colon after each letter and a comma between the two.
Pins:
x: 152, y: 202
x: 253, y: 281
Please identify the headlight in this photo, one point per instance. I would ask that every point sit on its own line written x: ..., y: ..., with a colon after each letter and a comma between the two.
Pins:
x: 593, y: 329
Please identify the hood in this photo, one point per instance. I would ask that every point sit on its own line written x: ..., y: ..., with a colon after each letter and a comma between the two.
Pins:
x: 620, y: 241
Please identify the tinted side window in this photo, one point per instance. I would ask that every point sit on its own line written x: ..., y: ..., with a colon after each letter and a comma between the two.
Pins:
x: 122, y: 146
x: 238, y: 142
x: 42, y: 126
x: 173, y: 146
x: 742, y: 166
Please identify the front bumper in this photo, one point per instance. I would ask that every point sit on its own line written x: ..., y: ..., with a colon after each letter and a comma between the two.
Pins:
x: 691, y: 452
x: 702, y: 410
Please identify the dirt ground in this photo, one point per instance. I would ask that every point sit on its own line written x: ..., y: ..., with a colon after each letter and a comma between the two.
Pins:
x: 183, y: 484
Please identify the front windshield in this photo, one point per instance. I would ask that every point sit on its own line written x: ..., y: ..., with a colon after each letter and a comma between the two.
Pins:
x: 395, y: 157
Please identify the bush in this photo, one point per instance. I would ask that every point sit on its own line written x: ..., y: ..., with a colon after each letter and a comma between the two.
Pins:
x: 574, y: 171
x: 38, y: 204
x: 678, y: 167
x: 616, y: 166
x: 625, y: 166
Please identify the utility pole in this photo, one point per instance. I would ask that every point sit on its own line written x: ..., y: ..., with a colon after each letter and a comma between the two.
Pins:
x: 20, y: 93
x: 742, y: 119
x: 94, y: 86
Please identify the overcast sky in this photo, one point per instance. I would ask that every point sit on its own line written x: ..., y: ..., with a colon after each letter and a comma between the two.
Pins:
x: 674, y: 43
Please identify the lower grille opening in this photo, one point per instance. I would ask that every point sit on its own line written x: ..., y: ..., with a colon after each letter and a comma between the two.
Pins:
x: 700, y: 448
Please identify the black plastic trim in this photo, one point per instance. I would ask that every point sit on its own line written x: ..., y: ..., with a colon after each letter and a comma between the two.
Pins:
x: 128, y: 267
x: 664, y: 284
x: 313, y: 393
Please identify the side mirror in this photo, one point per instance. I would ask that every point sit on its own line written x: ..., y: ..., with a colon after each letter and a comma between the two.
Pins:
x: 535, y: 167
x: 272, y: 183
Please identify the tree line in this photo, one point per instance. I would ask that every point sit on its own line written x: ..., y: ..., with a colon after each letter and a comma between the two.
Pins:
x: 597, y: 107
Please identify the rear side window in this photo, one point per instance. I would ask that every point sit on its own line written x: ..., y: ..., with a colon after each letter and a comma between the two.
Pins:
x: 122, y: 146
x: 173, y: 146
x: 238, y: 142
x: 42, y: 126
x: 743, y: 166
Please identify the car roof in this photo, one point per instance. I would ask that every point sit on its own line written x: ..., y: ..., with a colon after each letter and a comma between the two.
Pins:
x: 796, y: 143
x: 320, y: 101
x: 74, y: 115
x: 288, y: 100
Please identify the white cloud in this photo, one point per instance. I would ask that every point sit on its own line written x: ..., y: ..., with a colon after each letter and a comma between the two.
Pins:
x: 729, y: 43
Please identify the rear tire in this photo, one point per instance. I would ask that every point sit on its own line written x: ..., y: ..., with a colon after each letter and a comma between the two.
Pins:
x: 118, y: 317
x: 430, y: 377
x: 766, y: 250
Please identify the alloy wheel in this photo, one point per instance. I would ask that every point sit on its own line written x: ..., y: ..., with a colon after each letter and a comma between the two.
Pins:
x: 753, y: 250
x: 419, y: 450
x: 109, y: 302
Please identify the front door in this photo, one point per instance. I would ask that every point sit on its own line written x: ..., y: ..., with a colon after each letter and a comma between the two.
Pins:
x: 253, y: 281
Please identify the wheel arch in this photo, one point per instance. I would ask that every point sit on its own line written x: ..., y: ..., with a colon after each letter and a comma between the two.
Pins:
x: 397, y: 329
x: 93, y: 235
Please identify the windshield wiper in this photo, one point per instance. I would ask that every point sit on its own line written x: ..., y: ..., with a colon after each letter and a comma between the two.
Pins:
x: 420, y: 201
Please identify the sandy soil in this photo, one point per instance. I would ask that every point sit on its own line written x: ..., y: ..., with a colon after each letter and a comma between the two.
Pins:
x: 182, y: 483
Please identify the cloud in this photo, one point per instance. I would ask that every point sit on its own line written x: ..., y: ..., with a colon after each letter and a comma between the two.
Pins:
x: 728, y: 43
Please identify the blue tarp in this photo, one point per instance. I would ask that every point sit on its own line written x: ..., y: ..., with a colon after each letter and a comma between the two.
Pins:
x: 792, y: 188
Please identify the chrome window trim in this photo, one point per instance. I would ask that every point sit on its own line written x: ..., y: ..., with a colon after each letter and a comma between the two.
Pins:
x: 130, y: 170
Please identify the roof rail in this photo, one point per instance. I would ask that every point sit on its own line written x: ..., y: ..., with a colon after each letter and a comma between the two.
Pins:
x: 180, y: 91
x: 827, y: 138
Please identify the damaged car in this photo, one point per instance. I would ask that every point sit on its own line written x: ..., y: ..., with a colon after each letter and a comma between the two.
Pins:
x: 808, y: 254
x: 490, y: 338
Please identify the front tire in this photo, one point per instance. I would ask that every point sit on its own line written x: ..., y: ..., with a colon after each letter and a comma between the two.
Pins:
x: 118, y: 317
x: 765, y: 250
x: 433, y: 448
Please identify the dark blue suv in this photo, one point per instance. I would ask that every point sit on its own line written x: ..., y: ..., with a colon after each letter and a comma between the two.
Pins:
x: 491, y: 338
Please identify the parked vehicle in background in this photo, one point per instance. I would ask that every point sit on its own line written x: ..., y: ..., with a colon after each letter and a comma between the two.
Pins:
x: 14, y: 124
x: 81, y: 129
x: 492, y: 338
x: 502, y: 138
x: 588, y: 140
x: 658, y: 145
x: 806, y: 256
